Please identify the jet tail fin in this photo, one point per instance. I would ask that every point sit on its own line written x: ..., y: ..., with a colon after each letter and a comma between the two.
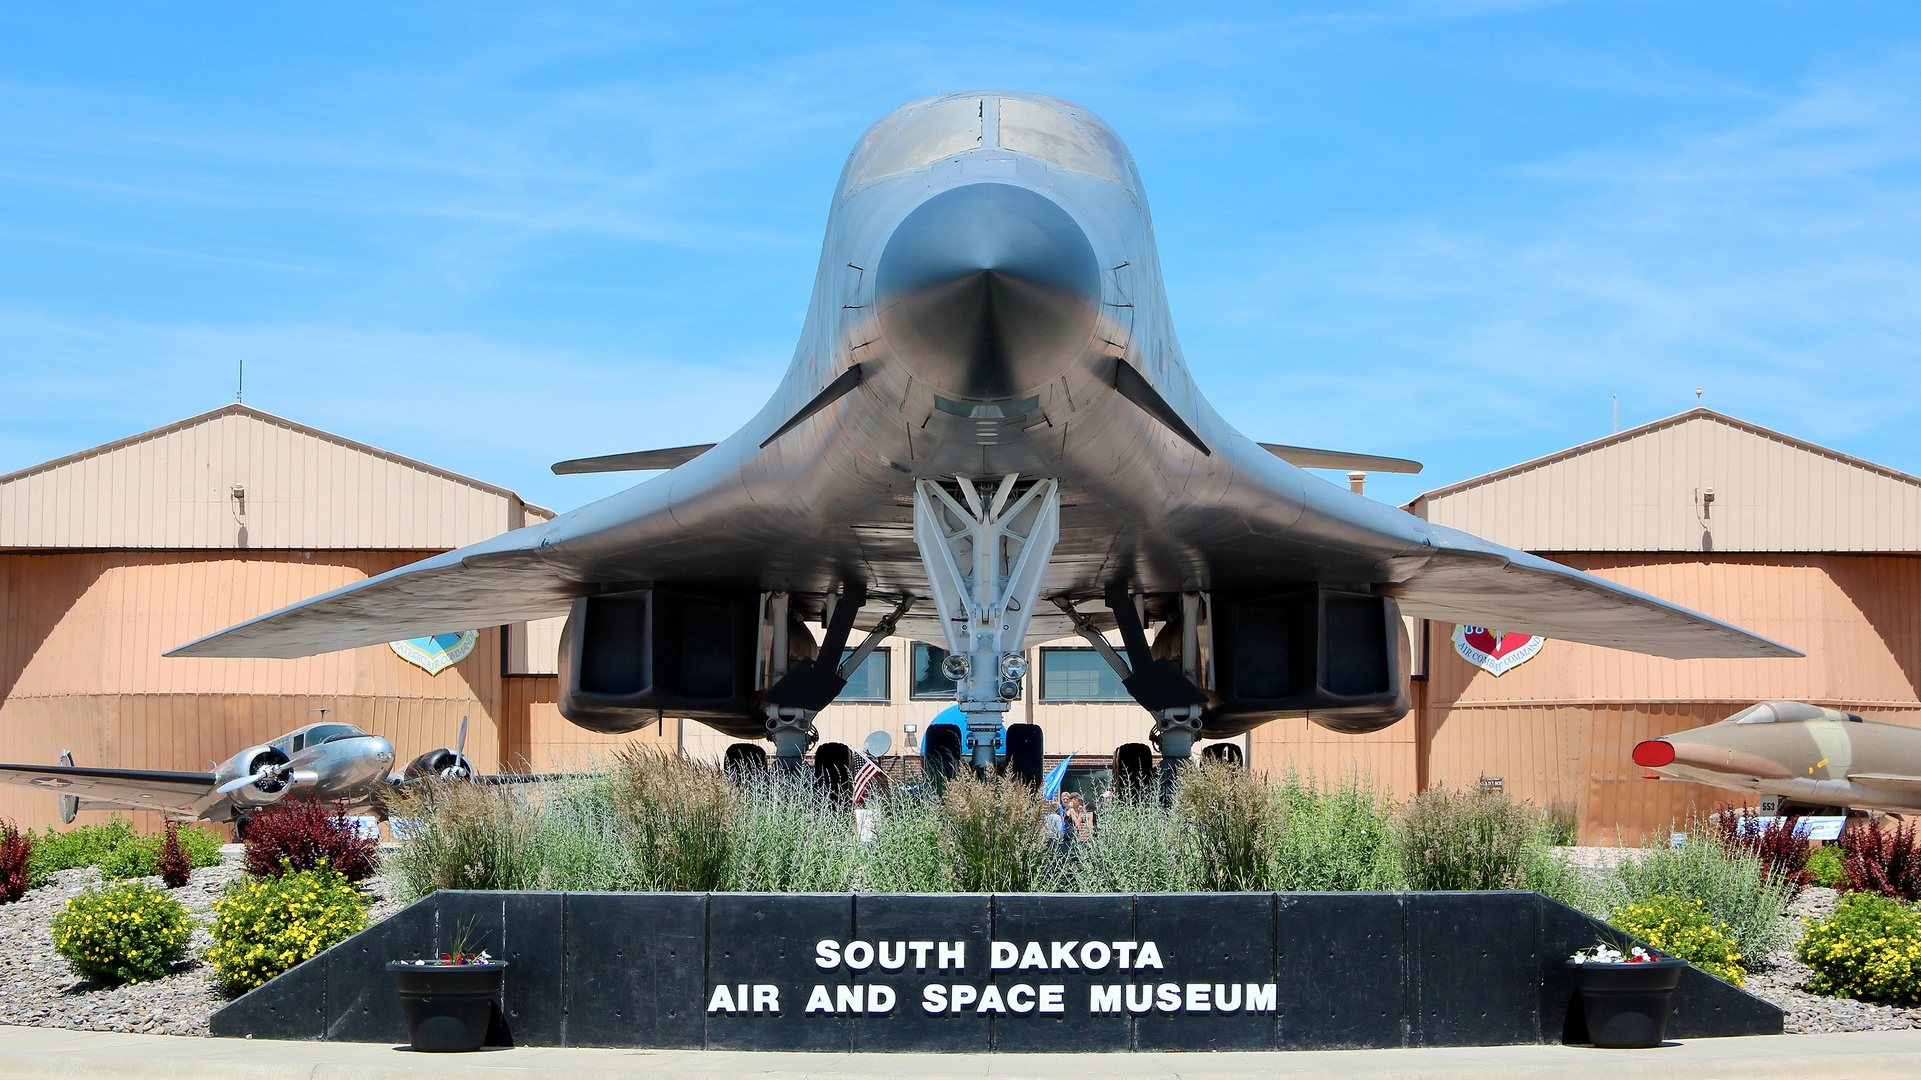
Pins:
x: 672, y: 457
x: 1306, y: 457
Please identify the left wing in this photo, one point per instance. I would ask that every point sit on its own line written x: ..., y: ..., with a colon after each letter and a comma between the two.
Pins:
x: 140, y: 789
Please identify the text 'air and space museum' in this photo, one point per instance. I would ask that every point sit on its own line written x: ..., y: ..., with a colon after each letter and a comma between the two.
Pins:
x: 111, y: 556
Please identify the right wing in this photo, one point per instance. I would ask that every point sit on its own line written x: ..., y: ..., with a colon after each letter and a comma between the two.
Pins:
x: 140, y: 789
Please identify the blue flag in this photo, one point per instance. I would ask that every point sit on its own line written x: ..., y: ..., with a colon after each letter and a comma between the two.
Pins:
x: 1051, y: 788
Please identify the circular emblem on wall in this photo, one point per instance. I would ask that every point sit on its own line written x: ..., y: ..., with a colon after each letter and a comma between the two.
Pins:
x: 1493, y: 651
x: 436, y: 654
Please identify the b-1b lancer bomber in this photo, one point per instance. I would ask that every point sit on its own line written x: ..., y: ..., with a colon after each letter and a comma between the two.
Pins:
x: 988, y: 436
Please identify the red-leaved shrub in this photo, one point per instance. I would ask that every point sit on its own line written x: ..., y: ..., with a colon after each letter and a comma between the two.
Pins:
x: 1773, y: 841
x: 1882, y: 859
x: 174, y: 866
x: 16, y: 848
x: 296, y: 836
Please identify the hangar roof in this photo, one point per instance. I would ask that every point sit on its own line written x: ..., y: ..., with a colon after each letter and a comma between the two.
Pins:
x: 175, y: 488
x: 1645, y: 489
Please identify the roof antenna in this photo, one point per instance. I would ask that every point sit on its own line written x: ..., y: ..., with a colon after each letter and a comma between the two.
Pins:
x: 1697, y: 397
x: 242, y: 384
x: 1617, y: 414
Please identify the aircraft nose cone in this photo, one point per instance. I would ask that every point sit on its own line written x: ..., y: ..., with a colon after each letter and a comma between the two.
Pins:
x: 988, y: 291
x: 1654, y: 753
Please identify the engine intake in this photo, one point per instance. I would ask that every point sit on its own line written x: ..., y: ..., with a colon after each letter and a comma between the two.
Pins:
x: 628, y: 659
x: 1338, y: 658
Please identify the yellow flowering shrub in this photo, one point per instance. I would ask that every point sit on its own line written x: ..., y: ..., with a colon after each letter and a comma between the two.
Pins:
x: 1684, y: 929
x: 263, y: 926
x: 1870, y: 949
x: 126, y: 932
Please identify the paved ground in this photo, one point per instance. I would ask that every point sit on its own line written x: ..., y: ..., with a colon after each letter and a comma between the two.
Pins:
x: 55, y: 1054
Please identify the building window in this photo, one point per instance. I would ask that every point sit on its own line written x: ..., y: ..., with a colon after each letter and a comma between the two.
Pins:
x: 929, y: 683
x: 1079, y: 675
x: 869, y: 680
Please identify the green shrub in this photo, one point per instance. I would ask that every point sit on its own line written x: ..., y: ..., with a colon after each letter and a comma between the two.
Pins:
x: 464, y: 836
x: 993, y: 840
x: 905, y: 855
x: 1825, y: 867
x: 1561, y: 823
x: 790, y: 837
x: 1734, y: 886
x: 676, y: 813
x: 1227, y: 818
x: 125, y: 932
x: 1136, y: 847
x: 116, y: 850
x: 1451, y: 840
x: 1332, y: 837
x: 1683, y: 929
x: 263, y: 926
x: 1870, y: 949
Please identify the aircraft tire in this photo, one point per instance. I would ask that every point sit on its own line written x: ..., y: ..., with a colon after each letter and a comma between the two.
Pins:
x: 1024, y: 753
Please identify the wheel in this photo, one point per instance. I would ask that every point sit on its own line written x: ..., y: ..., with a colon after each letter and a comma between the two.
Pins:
x: 1024, y: 757
x: 941, y: 753
x: 834, y: 772
x: 744, y: 761
x: 1225, y: 752
x: 1133, y: 770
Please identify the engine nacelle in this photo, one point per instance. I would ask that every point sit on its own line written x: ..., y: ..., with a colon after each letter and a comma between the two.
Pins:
x: 252, y: 760
x: 1338, y: 658
x: 443, y: 763
x: 627, y: 659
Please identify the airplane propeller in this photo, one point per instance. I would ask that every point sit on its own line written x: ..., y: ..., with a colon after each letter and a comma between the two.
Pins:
x: 458, y: 770
x: 272, y: 771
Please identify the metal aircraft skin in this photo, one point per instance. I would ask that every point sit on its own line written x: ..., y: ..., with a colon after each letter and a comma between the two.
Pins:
x: 1808, y: 755
x: 988, y: 307
x: 327, y: 762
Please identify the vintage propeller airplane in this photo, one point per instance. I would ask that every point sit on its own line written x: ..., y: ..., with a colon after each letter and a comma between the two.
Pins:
x: 324, y: 762
x: 987, y: 424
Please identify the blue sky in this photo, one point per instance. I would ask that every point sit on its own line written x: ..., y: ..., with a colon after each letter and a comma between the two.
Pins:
x: 495, y: 236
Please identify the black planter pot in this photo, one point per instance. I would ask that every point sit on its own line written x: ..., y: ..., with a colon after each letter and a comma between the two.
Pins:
x: 449, y: 1007
x: 1627, y: 1004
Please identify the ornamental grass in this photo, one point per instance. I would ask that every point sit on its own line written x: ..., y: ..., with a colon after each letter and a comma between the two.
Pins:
x: 1734, y: 886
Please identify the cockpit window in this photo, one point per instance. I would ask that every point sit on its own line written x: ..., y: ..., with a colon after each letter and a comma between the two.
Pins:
x: 935, y: 132
x: 1781, y: 712
x: 1042, y: 132
x: 331, y: 733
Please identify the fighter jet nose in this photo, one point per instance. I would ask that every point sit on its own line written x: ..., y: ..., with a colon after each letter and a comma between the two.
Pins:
x: 988, y: 291
x: 1654, y: 753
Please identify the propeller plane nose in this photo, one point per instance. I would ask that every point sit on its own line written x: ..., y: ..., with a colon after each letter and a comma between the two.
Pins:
x: 988, y: 291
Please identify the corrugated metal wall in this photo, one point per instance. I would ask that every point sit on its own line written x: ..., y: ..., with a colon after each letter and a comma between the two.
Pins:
x: 1643, y: 491
x: 174, y: 488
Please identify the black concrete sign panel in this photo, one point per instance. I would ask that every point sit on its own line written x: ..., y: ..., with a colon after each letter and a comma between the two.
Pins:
x: 1341, y: 970
x: 634, y: 974
x: 761, y: 971
x: 971, y: 973
x: 919, y: 942
x: 1219, y: 951
x: 1044, y: 1004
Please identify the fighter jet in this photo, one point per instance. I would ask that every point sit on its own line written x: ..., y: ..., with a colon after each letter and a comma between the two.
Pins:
x: 1811, y: 757
x: 988, y: 436
x: 324, y: 762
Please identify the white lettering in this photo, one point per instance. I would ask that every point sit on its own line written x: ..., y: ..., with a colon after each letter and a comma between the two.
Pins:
x: 1094, y: 949
x: 899, y: 958
x: 1124, y: 950
x: 1260, y: 998
x: 1169, y: 995
x: 990, y: 1000
x: 933, y: 998
x: 1005, y: 953
x: 1051, y: 998
x: 1035, y: 956
x: 1150, y: 956
x: 921, y: 949
x: 850, y: 999
x: 722, y: 1001
x: 1063, y: 954
x: 961, y: 995
x: 1142, y: 1003
x: 880, y: 998
x: 827, y: 954
x: 1197, y: 998
x: 1020, y: 998
x: 955, y: 951
x: 1104, y: 999
x: 858, y: 955
x: 766, y: 998
x: 818, y: 1001
x: 1221, y: 999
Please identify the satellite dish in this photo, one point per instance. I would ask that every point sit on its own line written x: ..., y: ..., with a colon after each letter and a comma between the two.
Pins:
x: 878, y: 744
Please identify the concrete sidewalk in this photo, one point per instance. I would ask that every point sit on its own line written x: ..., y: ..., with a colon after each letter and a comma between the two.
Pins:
x: 56, y: 1054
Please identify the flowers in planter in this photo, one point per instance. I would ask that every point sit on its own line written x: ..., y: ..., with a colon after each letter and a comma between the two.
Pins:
x: 454, y: 959
x: 1608, y: 954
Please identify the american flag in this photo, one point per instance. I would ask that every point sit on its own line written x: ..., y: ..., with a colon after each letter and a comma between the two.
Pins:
x: 868, y: 771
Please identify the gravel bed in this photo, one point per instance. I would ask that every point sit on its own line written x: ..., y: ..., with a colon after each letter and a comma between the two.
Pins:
x: 1781, y: 979
x: 41, y: 990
